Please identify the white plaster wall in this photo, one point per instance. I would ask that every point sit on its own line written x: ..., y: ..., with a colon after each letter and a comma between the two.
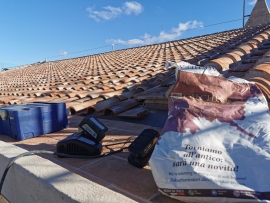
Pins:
x: 35, y: 179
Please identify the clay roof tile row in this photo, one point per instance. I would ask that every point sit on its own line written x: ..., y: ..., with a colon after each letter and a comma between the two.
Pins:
x: 116, y: 82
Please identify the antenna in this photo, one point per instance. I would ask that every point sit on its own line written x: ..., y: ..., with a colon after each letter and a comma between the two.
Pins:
x: 244, y: 6
x: 2, y: 67
x: 244, y: 13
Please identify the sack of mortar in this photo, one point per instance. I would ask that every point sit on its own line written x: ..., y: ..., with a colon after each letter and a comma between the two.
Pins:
x: 215, y: 145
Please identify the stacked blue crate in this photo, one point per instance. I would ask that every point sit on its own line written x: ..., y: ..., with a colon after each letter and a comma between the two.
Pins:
x: 3, y: 116
x: 48, y: 117
x: 5, y: 120
x: 60, y: 112
x: 20, y: 122
x: 33, y: 119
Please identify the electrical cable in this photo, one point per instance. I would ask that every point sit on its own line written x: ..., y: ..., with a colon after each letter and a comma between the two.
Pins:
x: 210, y: 25
x: 108, y: 153
x: 61, y: 155
x: 184, y: 30
x: 127, y: 141
x: 79, y: 51
x: 52, y: 153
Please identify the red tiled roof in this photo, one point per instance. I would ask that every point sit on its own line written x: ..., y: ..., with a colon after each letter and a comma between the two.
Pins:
x: 118, y: 81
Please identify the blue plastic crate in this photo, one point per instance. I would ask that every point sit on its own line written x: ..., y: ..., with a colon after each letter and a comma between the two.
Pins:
x: 48, y: 116
x: 33, y: 119
x: 21, y: 122
x: 61, y: 114
x: 4, y: 118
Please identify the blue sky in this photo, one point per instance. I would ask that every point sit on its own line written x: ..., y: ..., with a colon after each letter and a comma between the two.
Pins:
x: 32, y: 30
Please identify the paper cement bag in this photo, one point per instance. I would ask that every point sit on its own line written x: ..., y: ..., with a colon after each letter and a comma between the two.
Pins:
x: 215, y: 145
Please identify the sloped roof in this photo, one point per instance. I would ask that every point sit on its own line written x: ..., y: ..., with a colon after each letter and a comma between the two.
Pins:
x: 123, y: 82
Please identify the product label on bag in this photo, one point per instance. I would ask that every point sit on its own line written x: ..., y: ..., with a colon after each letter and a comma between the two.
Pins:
x: 216, y: 141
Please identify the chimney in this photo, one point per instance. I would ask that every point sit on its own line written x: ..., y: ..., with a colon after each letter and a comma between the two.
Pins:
x: 259, y: 15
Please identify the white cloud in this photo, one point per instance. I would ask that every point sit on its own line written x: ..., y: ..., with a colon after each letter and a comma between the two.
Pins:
x: 129, y: 42
x: 162, y: 37
x: 110, y: 12
x: 252, y: 3
x: 132, y: 7
x: 63, y: 53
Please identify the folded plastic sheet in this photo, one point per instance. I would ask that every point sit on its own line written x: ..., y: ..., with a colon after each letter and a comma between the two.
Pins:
x: 215, y: 145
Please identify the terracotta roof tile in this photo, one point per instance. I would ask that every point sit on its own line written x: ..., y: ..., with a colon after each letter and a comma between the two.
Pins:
x: 82, y: 106
x: 263, y: 84
x: 122, y: 106
x: 242, y: 67
x: 137, y: 112
x: 84, y: 81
